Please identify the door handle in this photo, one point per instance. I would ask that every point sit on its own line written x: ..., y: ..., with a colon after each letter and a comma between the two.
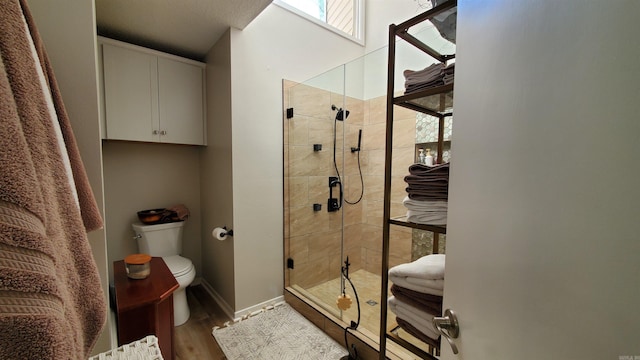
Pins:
x: 447, y: 325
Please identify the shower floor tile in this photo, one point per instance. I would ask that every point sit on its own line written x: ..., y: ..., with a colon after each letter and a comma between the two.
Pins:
x: 368, y: 287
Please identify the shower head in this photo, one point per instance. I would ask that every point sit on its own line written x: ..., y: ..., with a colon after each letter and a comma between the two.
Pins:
x: 341, y: 114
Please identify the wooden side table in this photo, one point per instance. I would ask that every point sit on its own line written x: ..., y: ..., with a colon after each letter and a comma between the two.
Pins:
x: 145, y: 306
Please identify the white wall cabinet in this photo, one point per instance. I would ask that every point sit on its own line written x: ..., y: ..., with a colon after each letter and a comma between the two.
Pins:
x: 151, y: 96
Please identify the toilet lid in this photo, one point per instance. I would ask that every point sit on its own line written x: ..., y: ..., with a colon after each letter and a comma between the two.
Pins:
x: 177, y: 264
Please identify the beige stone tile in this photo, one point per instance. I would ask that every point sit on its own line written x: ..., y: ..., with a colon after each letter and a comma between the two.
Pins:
x: 310, y: 101
x: 298, y: 128
x: 375, y: 164
x: 303, y: 161
x: 374, y: 261
x: 335, y: 219
x: 285, y: 159
x: 326, y: 244
x: 319, y: 190
x: 398, y: 188
x: 352, y: 213
x: 402, y: 113
x: 400, y: 246
x: 311, y: 273
x: 373, y: 136
x: 374, y: 188
x: 299, y: 191
x: 371, y: 236
x: 351, y: 164
x: 402, y: 158
x: 353, y: 186
x: 377, y: 110
x: 305, y: 221
x: 321, y: 132
x: 353, y: 237
x: 287, y: 221
x: 299, y: 248
x: 373, y: 212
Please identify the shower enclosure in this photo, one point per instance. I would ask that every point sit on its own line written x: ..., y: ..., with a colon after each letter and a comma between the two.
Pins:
x: 334, y: 152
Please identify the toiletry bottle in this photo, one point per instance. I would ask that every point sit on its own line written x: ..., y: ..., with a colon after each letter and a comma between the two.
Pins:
x: 421, y: 156
x: 428, y: 159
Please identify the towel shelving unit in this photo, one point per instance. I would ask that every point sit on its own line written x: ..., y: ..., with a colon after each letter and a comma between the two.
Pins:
x: 437, y: 102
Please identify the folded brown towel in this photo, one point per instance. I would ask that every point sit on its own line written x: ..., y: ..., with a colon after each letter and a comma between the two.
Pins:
x: 181, y: 211
x: 51, y: 302
x: 429, y: 303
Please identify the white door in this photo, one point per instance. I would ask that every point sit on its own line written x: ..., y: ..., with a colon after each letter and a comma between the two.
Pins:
x: 543, y: 243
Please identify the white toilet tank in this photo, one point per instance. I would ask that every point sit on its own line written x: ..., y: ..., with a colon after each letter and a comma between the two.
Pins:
x: 159, y: 240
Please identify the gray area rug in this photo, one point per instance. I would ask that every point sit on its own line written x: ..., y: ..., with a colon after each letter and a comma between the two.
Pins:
x: 276, y: 333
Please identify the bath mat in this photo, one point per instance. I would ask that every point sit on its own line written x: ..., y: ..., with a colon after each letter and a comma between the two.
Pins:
x: 277, y: 332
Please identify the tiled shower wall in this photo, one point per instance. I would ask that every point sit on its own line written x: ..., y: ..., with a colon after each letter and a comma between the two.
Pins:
x: 313, y: 238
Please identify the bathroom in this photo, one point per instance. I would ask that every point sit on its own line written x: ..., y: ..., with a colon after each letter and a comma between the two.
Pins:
x: 250, y: 146
x: 236, y: 180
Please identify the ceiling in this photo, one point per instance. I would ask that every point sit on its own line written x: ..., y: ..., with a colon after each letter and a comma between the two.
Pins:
x: 187, y: 28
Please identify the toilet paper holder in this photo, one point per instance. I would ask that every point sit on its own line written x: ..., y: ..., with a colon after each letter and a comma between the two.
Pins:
x: 227, y: 232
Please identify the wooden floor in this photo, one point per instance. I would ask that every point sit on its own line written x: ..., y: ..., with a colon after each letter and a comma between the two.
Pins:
x: 193, y: 339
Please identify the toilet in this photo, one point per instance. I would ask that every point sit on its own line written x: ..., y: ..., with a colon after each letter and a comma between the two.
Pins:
x: 165, y: 240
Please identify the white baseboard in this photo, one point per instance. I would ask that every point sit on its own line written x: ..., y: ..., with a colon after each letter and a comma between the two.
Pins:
x: 251, y: 309
x: 228, y: 310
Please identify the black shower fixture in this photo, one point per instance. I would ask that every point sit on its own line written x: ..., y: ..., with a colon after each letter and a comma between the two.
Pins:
x: 341, y: 114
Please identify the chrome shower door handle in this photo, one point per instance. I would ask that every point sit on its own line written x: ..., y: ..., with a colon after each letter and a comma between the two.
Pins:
x: 447, y: 325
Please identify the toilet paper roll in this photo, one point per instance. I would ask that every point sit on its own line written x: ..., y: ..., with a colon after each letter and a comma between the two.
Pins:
x: 219, y: 233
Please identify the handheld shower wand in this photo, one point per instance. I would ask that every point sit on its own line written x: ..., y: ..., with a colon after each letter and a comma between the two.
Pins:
x: 354, y: 149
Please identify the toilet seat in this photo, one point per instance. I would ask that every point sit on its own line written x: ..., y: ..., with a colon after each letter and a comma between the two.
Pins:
x: 178, y: 265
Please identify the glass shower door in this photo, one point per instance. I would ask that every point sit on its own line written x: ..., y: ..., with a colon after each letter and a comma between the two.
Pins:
x: 313, y: 192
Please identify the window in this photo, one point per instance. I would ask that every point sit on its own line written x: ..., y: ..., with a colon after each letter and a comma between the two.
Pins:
x: 342, y: 16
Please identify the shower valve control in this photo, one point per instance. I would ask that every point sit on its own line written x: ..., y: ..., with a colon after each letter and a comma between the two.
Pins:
x: 333, y: 204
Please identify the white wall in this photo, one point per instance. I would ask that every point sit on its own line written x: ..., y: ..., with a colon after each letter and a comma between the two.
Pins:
x: 217, y: 178
x: 276, y: 45
x: 60, y: 24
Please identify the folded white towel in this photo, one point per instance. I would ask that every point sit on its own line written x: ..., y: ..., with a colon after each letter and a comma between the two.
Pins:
x: 419, y: 319
x: 428, y: 205
x: 429, y: 267
x: 425, y: 275
x: 427, y: 217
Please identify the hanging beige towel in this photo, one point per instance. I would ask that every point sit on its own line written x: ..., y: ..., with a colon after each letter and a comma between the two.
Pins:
x: 51, y: 302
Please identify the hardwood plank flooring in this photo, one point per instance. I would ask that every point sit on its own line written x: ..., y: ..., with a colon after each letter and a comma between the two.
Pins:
x: 193, y: 339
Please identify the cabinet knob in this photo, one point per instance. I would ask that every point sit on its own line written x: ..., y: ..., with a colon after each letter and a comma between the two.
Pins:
x: 163, y: 132
x: 155, y: 132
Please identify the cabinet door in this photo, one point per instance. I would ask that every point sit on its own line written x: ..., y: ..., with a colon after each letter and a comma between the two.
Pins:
x: 130, y: 93
x: 181, y: 102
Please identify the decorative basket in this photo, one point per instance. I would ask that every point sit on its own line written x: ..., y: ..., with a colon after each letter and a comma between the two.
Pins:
x: 143, y: 349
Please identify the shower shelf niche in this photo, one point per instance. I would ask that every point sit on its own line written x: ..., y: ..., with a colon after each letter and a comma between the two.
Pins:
x: 434, y: 101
